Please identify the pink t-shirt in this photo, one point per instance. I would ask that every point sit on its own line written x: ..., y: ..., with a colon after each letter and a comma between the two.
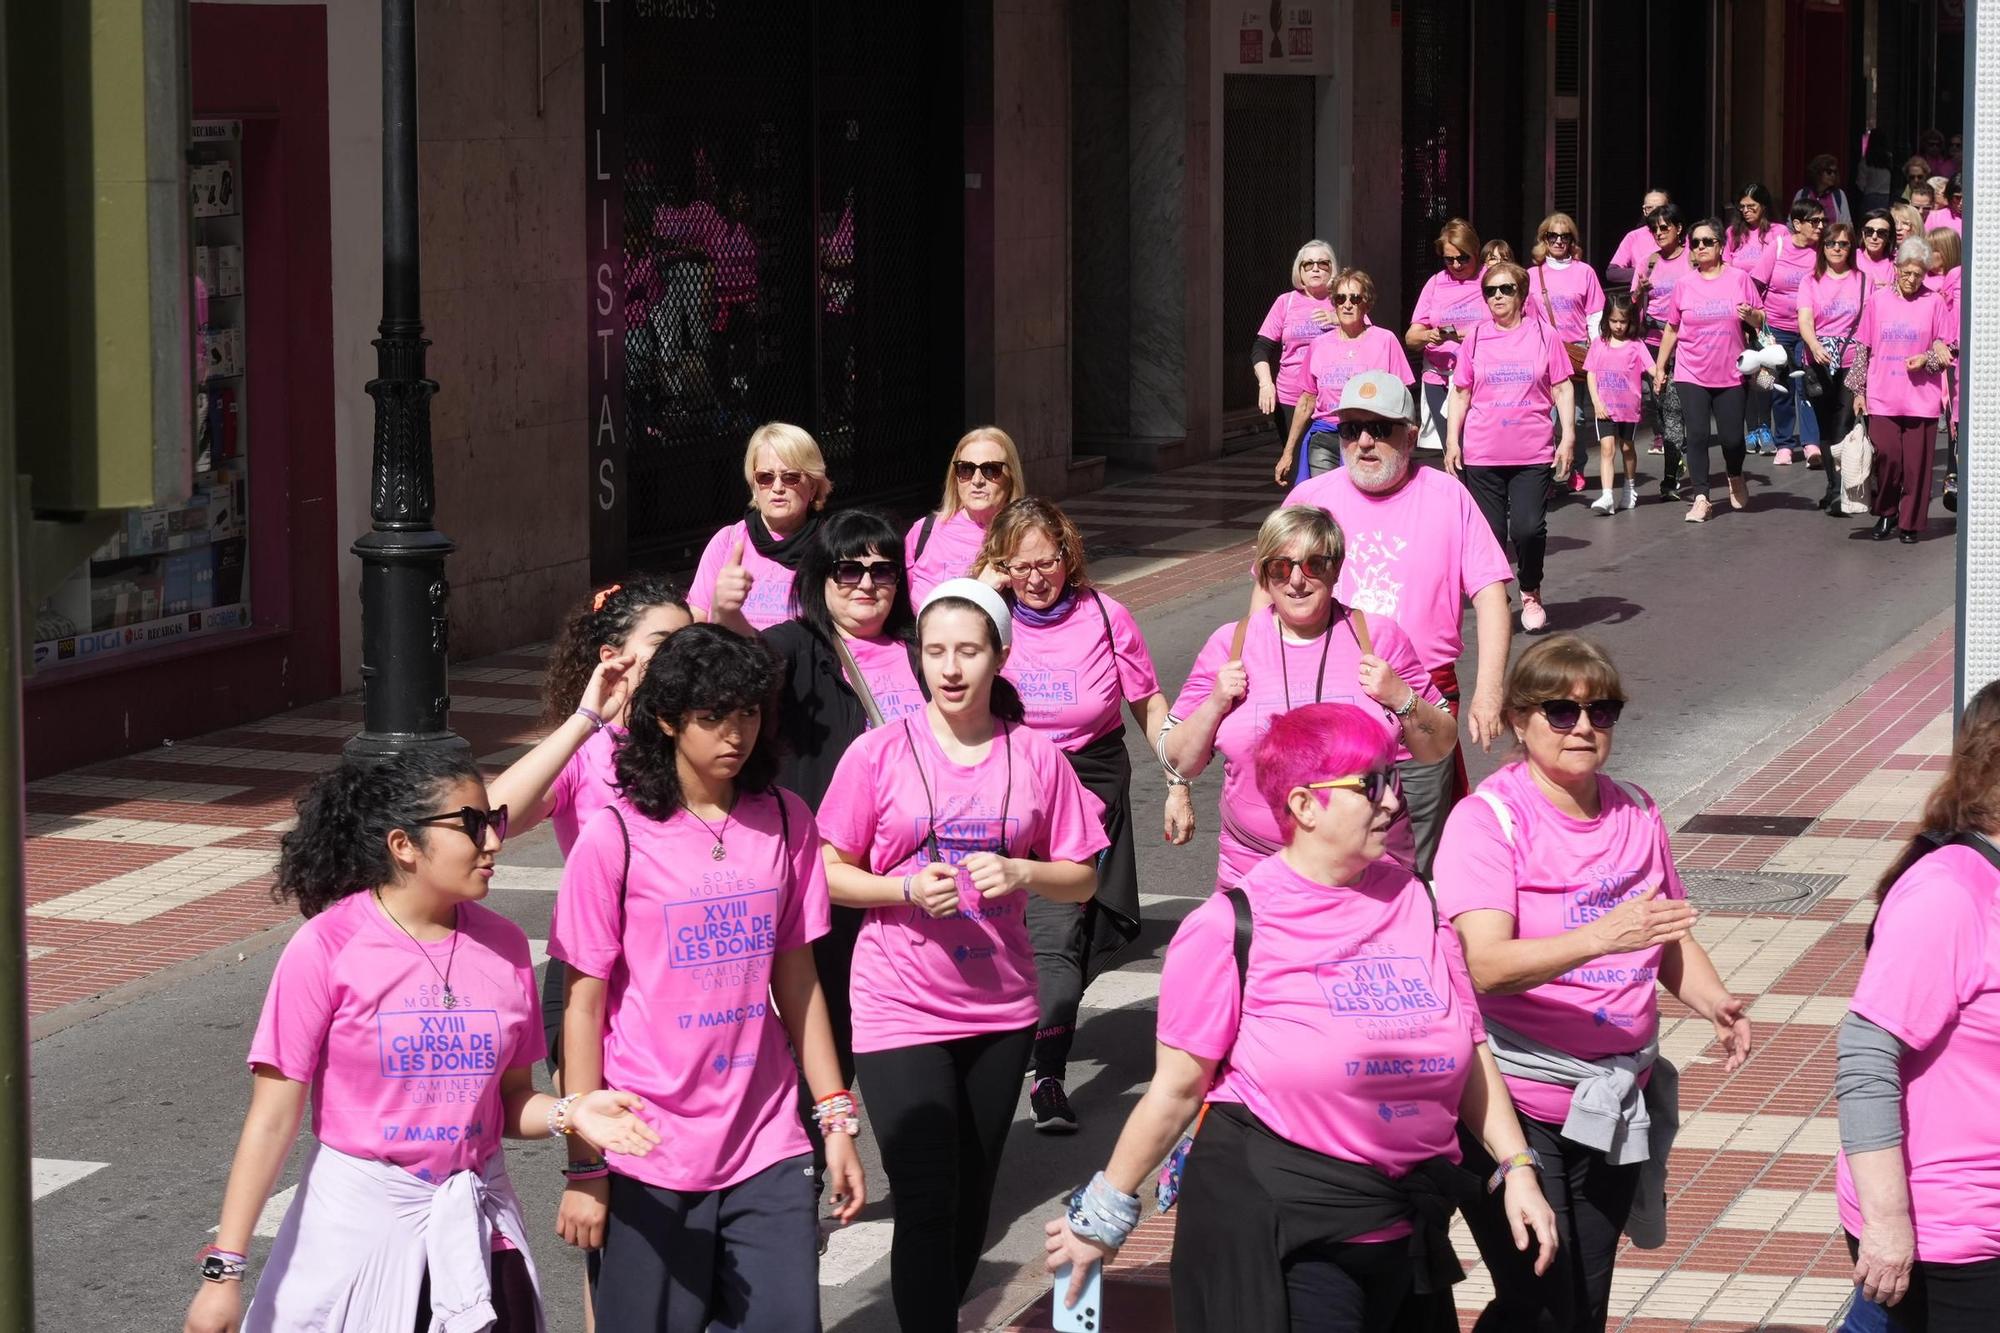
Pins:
x: 1575, y: 293
x: 1795, y: 263
x: 1282, y: 677
x: 1416, y: 555
x: 1835, y: 300
x: 1291, y: 325
x: 1947, y: 285
x: 953, y: 546
x: 1336, y: 358
x: 1879, y: 272
x: 1666, y: 275
x: 1932, y: 980
x: 1512, y: 374
x: 1637, y: 246
x: 1703, y: 309
x: 356, y: 1009
x: 587, y: 783
x: 1754, y: 252
x: 685, y: 943
x: 1359, y: 978
x: 1895, y: 328
x: 1560, y: 873
x: 885, y: 665
x: 917, y: 979
x: 1448, y: 303
x: 1944, y: 217
x: 770, y: 599
x: 1074, y: 675
x: 1619, y: 368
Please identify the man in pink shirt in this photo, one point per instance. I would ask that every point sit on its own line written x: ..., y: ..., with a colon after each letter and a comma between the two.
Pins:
x: 1638, y: 245
x: 1417, y: 551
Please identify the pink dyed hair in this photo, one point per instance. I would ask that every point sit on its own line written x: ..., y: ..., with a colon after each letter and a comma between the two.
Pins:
x: 1313, y: 743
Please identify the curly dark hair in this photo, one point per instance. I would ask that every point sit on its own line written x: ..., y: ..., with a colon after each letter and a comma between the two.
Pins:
x: 591, y: 626
x: 1006, y: 703
x: 849, y: 534
x: 340, y: 844
x: 702, y: 669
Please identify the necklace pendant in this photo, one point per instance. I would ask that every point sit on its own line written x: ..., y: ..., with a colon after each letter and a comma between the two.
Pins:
x: 450, y: 1000
x: 717, y: 852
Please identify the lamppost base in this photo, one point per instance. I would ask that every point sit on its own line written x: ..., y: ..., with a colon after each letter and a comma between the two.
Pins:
x: 388, y: 744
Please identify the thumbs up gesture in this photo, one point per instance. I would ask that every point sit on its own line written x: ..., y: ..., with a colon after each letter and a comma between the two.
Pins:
x: 732, y: 585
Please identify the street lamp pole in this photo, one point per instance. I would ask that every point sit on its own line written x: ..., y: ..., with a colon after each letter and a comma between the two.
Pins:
x: 405, y: 630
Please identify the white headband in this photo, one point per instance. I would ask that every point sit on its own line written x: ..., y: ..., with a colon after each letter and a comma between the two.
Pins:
x: 981, y: 596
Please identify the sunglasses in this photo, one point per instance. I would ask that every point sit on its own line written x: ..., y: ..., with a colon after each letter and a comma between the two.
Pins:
x: 1563, y: 713
x: 1373, y: 785
x: 1455, y: 261
x: 1703, y: 243
x: 1876, y: 233
x: 1839, y: 245
x: 769, y: 480
x: 1318, y: 568
x: 473, y: 822
x: 879, y: 573
x: 994, y: 471
x: 1662, y: 228
x: 1501, y: 289
x: 1553, y: 236
x: 1354, y: 430
x: 1815, y: 222
x: 1315, y: 263
x: 1349, y: 298
x: 1021, y: 569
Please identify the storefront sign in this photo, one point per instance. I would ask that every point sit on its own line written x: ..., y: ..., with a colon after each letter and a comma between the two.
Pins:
x: 147, y: 634
x: 1278, y: 38
x: 604, y: 205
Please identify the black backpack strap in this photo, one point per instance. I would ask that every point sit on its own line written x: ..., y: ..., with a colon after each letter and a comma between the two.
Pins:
x: 1110, y: 639
x: 785, y: 836
x: 923, y: 537
x: 624, y: 836
x: 1246, y: 924
x: 1977, y: 844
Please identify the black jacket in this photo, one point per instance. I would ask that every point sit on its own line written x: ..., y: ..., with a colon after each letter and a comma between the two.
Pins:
x: 819, y: 716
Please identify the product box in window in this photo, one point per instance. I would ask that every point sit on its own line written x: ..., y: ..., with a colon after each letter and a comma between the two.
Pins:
x: 145, y: 531
x: 221, y: 351
x: 203, y: 581
x: 228, y: 279
x: 204, y: 266
x: 228, y: 557
x: 177, y: 582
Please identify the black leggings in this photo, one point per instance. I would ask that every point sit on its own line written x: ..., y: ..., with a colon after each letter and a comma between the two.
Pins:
x: 1515, y: 503
x: 1591, y: 1199
x: 1835, y: 410
x: 1945, y: 1298
x: 1698, y: 403
x: 941, y: 1113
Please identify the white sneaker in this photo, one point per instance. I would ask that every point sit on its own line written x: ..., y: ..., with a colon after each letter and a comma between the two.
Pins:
x: 1631, y: 498
x: 1604, y: 504
x: 1534, y: 617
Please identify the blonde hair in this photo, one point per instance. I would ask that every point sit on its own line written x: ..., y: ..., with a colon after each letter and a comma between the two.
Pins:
x: 795, y: 449
x: 1907, y: 213
x: 977, y: 435
x: 1541, y: 247
x: 1297, y: 524
x: 1033, y: 514
x: 1299, y: 262
x: 1945, y: 242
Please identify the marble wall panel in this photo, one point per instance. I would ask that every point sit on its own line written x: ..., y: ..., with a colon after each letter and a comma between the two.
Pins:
x: 1156, y: 180
x: 1100, y: 223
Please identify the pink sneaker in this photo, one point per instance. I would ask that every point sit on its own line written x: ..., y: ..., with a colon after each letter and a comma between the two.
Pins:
x: 1784, y: 458
x: 1577, y: 483
x: 1812, y: 457
x: 1534, y: 617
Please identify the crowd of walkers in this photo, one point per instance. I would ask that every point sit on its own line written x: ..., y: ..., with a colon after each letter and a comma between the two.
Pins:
x: 848, y: 830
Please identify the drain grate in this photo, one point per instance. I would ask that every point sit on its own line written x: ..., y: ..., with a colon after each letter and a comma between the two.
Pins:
x: 1772, y: 892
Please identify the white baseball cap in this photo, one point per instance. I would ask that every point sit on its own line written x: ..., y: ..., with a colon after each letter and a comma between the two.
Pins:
x: 981, y: 596
x: 1378, y: 393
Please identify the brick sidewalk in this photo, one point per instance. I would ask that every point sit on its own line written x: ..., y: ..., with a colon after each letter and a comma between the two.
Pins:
x: 1755, y: 1237
x: 159, y: 859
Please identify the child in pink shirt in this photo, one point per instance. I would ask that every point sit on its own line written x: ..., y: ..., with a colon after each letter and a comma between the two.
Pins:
x: 405, y: 1011
x: 939, y: 826
x: 1616, y: 371
x: 686, y: 916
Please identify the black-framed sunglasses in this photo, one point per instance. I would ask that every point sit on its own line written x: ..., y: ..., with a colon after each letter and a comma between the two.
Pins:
x: 1562, y: 714
x: 473, y: 822
x: 879, y: 573
x: 1457, y: 261
x: 1373, y: 785
x: 1662, y: 228
x: 1352, y: 431
x: 1703, y: 243
x: 996, y: 470
x: 1838, y: 245
x: 792, y: 479
x: 1876, y: 233
x: 1318, y: 568
x: 1553, y: 236
x: 1349, y: 298
x: 1316, y: 263
x: 1501, y: 289
x: 1816, y: 221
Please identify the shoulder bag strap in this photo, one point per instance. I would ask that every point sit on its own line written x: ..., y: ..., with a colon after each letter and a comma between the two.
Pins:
x: 1547, y: 302
x: 1977, y: 844
x: 923, y: 536
x: 1110, y: 640
x: 625, y: 837
x: 1358, y: 622
x: 1246, y: 924
x: 856, y: 682
x: 785, y: 838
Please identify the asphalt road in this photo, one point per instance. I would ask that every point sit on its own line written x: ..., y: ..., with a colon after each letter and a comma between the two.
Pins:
x: 1726, y: 634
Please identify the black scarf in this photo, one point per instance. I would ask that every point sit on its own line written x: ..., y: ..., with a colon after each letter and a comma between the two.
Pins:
x: 787, y: 551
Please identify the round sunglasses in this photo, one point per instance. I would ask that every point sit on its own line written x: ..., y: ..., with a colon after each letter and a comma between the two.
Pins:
x: 1318, y: 568
x: 1562, y: 714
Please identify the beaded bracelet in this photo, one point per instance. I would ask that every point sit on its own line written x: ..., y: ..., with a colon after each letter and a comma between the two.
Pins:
x: 559, y: 1126
x: 834, y: 1114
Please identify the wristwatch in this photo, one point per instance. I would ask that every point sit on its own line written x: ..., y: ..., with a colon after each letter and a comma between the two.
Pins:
x: 221, y: 1268
x: 1528, y: 1158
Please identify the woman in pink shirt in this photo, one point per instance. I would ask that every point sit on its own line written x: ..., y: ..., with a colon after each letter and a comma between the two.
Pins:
x: 1952, y: 214
x: 405, y: 1010
x: 1919, y: 1064
x: 1318, y: 1186
x: 941, y: 826
x: 1876, y: 259
x: 1561, y: 884
x: 1705, y: 320
x: 983, y: 477
x: 744, y: 580
x: 1512, y: 374
x: 1751, y: 244
x: 1652, y: 287
x: 686, y: 916
x: 1830, y: 303
x: 1354, y: 345
x: 1448, y: 307
x: 1295, y: 322
x: 1078, y: 662
x: 1564, y: 290
x: 1304, y: 647
x: 1903, y: 348
x: 1792, y: 260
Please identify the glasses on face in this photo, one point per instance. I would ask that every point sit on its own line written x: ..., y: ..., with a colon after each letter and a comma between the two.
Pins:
x: 1348, y: 298
x: 1553, y: 236
x: 1352, y: 431
x: 1703, y: 243
x: 1315, y: 263
x: 1457, y: 261
x: 1562, y: 714
x: 1373, y: 785
x: 473, y: 822
x: 1839, y: 245
x: 1748, y: 206
x: 768, y: 481
x: 879, y: 573
x: 1662, y: 228
x: 1501, y: 289
x: 1819, y: 221
x: 1875, y: 233
x: 1318, y: 568
x: 993, y: 471
x: 1021, y: 569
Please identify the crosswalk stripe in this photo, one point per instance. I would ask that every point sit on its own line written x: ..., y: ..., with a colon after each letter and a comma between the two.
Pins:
x: 50, y: 1174
x: 273, y: 1215
x: 527, y: 879
x: 853, y: 1250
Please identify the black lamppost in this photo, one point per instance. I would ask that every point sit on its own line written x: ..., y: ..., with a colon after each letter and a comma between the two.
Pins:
x: 405, y: 631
